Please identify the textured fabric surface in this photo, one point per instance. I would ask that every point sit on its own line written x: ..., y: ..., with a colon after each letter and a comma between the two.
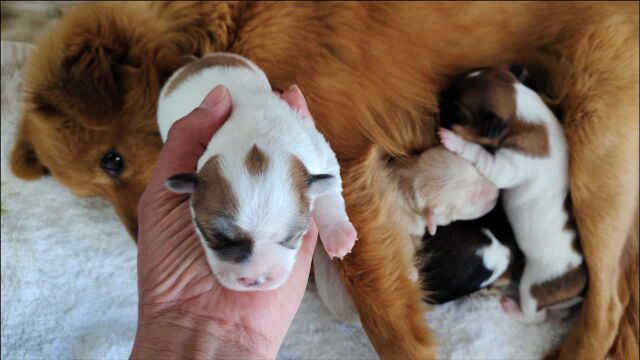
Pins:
x: 69, y: 280
x: 25, y: 20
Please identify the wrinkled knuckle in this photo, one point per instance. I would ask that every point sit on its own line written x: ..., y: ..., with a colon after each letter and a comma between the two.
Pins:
x: 177, y: 129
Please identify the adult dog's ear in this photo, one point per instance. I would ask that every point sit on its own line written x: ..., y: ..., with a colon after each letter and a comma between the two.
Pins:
x: 24, y: 160
x: 95, y: 62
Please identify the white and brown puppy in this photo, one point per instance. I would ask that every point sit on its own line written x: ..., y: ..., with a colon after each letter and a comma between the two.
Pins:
x: 492, y: 108
x: 263, y: 174
x: 435, y: 188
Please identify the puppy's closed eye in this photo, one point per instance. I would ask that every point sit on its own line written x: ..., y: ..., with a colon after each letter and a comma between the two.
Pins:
x: 492, y: 126
x: 292, y: 241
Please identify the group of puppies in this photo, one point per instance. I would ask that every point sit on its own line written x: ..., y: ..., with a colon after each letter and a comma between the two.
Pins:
x: 268, y: 170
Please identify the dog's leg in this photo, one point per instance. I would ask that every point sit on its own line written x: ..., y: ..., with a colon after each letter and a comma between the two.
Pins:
x: 528, y: 303
x: 599, y: 99
x: 330, y: 288
x: 376, y: 272
x: 627, y: 343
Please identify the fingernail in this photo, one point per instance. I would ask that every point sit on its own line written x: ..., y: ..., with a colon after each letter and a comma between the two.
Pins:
x: 214, y: 97
x: 295, y: 88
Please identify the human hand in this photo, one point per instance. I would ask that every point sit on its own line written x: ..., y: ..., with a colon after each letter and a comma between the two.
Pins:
x: 183, y: 311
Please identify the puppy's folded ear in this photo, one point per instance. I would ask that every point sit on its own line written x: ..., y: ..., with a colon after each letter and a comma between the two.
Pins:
x: 24, y: 160
x: 182, y: 183
x: 320, y: 184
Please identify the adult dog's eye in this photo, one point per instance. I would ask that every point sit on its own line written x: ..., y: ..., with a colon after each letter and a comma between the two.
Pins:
x: 112, y: 163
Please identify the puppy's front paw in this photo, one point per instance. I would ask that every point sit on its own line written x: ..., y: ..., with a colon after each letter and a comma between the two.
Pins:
x: 450, y: 140
x: 340, y: 240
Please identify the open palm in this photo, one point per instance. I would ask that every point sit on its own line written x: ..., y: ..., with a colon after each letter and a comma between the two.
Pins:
x: 174, y: 279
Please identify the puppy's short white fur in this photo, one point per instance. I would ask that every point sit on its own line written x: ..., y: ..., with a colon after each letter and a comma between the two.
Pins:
x: 251, y: 243
x: 533, y: 199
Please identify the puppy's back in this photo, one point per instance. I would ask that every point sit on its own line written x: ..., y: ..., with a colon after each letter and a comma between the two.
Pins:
x: 186, y: 88
x: 259, y: 117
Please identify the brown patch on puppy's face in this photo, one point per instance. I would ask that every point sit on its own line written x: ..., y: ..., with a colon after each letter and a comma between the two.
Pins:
x: 300, y: 177
x: 215, y: 208
x: 482, y: 100
x: 481, y: 108
x: 256, y: 161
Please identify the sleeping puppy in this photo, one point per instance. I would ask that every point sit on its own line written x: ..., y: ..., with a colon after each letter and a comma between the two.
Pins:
x: 438, y: 187
x: 491, y: 107
x: 434, y: 189
x: 466, y: 256
x: 262, y: 176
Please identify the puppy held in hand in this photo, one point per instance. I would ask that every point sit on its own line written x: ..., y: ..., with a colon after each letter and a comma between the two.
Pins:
x: 262, y: 176
x: 490, y: 109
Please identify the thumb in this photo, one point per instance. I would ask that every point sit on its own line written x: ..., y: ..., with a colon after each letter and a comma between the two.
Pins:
x: 188, y: 137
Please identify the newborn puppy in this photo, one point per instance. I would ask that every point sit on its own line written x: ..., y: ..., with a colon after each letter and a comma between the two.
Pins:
x: 263, y: 174
x: 490, y: 107
x: 465, y: 256
x: 434, y: 188
x: 438, y: 187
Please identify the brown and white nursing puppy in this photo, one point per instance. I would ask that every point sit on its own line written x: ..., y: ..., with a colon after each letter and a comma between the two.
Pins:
x: 262, y: 175
x: 531, y: 163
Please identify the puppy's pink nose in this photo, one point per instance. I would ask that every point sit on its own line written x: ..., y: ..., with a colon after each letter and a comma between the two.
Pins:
x: 253, y: 282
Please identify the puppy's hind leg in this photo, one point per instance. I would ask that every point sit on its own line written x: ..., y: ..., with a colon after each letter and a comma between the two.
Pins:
x: 331, y: 289
x: 336, y: 231
x: 529, y: 304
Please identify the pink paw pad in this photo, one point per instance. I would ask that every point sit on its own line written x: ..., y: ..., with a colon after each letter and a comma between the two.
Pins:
x: 339, y: 241
x: 449, y: 139
x: 510, y: 306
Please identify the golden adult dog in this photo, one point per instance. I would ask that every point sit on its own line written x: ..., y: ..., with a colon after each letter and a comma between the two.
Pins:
x: 371, y: 73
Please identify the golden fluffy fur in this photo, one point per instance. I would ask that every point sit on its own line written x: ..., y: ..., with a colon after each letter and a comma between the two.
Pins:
x: 371, y: 73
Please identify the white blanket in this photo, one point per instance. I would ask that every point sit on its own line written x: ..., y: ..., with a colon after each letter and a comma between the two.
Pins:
x: 69, y: 280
